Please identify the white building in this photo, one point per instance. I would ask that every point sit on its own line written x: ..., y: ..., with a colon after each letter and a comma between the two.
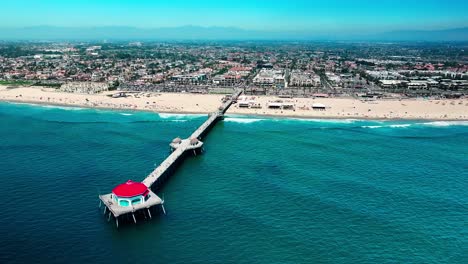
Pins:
x: 304, y: 79
x: 269, y: 77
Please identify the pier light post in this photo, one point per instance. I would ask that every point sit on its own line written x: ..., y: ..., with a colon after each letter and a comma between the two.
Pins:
x: 130, y: 197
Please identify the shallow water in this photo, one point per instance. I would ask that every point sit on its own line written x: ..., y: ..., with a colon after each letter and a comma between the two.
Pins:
x: 265, y: 191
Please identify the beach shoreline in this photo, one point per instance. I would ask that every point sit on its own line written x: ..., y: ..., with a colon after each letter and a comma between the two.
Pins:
x: 186, y: 103
x: 228, y: 114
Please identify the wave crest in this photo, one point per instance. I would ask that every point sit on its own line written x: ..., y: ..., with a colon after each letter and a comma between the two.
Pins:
x: 242, y: 120
x: 446, y: 123
x: 179, y: 116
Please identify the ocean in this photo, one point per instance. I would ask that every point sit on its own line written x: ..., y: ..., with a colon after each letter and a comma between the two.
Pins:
x: 266, y: 190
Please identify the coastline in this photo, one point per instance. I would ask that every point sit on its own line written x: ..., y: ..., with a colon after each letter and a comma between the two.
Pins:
x: 186, y: 103
x: 230, y: 114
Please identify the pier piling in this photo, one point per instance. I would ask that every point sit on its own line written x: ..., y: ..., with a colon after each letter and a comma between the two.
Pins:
x: 179, y: 148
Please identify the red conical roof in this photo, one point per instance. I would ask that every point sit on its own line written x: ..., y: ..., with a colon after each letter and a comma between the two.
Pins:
x: 130, y: 189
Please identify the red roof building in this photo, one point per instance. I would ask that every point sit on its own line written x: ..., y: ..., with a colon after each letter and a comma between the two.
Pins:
x: 130, y: 193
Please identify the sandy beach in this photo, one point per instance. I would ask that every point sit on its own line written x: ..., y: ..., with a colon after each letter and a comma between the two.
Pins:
x: 202, y: 103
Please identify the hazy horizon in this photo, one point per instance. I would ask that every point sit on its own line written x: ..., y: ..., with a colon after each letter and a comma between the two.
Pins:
x: 351, y: 17
x: 434, y: 20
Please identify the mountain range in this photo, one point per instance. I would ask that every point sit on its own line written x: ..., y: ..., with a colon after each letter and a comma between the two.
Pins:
x: 50, y: 33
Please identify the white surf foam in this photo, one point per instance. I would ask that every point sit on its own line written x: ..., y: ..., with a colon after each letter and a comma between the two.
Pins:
x: 342, y: 121
x: 391, y: 126
x: 242, y: 120
x: 178, y: 116
x: 446, y: 123
x: 400, y: 125
x: 68, y: 108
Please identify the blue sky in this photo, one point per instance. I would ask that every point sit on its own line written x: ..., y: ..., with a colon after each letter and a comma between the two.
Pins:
x: 323, y: 15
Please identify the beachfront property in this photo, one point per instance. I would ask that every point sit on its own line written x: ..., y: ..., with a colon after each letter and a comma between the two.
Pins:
x: 271, y: 78
x: 190, y: 78
x: 233, y: 76
x: 303, y: 79
x: 384, y: 75
x: 342, y: 70
x: 334, y: 79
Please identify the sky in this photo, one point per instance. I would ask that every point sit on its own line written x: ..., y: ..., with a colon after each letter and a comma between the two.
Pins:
x: 320, y: 16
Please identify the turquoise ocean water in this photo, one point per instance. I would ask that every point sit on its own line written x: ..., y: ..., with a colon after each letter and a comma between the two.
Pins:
x: 265, y: 191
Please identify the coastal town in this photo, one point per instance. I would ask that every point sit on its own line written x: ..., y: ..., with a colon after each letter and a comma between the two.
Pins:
x: 249, y: 131
x: 277, y: 78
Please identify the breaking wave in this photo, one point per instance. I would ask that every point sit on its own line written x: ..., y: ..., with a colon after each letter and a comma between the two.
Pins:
x: 242, y: 120
x: 342, y: 121
x: 446, y: 123
x: 179, y: 116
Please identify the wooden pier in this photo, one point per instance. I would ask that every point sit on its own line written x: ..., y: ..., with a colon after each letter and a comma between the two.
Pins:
x: 180, y: 148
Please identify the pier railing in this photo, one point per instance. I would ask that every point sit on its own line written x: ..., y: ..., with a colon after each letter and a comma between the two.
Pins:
x: 178, y: 150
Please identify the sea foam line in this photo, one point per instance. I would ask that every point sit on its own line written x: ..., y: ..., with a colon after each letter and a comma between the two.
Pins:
x: 68, y: 108
x: 178, y: 116
x: 242, y: 120
x: 340, y: 121
x: 446, y: 123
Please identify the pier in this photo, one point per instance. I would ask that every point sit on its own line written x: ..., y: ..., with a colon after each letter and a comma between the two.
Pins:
x: 132, y: 197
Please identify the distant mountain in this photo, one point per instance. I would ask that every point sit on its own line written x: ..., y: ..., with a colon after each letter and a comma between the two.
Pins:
x: 216, y: 33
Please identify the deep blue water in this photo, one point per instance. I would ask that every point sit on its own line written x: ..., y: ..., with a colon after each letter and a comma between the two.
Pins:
x: 265, y: 191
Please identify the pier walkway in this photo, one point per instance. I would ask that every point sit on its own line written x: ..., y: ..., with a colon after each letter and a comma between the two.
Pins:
x: 189, y: 144
x: 179, y: 148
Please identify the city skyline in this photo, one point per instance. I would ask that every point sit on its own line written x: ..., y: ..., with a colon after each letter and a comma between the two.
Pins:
x: 356, y: 17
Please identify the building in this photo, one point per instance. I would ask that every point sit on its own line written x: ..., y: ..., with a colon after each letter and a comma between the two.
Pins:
x: 387, y: 84
x: 233, y: 76
x: 334, y: 79
x: 226, y: 80
x: 304, y: 79
x: 270, y: 78
x: 130, y: 193
x: 191, y: 78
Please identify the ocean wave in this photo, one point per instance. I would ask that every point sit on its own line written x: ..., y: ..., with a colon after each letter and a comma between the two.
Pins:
x: 125, y: 114
x: 400, y: 125
x: 446, y: 123
x: 388, y: 126
x: 341, y: 121
x: 84, y: 122
x: 242, y: 120
x: 179, y: 116
x: 433, y: 124
x: 68, y: 108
